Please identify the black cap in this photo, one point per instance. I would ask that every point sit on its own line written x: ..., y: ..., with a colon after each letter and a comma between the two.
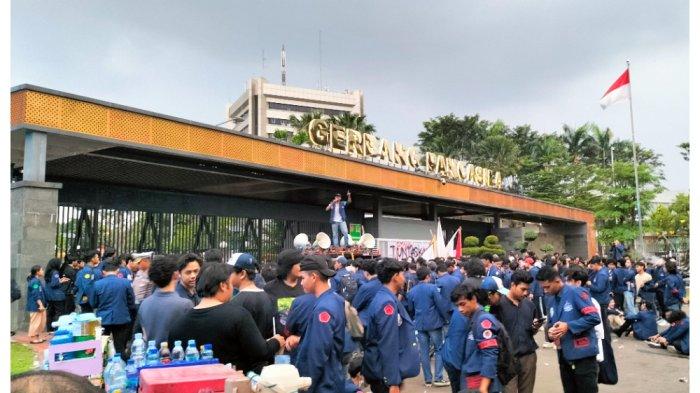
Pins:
x: 318, y: 263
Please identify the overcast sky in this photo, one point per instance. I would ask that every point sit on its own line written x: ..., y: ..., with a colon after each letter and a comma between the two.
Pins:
x: 542, y: 63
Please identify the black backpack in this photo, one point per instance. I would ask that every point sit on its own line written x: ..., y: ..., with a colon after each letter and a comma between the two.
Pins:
x: 348, y: 287
x: 507, y: 365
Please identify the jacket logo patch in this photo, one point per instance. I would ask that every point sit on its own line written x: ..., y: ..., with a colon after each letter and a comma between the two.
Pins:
x: 568, y: 307
x: 487, y: 334
x: 87, y: 276
x: 389, y: 309
x: 486, y: 324
x: 324, y: 317
x: 581, y: 342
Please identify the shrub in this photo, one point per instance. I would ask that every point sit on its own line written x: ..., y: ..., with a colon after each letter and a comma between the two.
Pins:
x: 473, y: 251
x: 521, y: 245
x: 491, y: 241
x: 471, y: 241
x: 547, y: 248
x: 530, y: 235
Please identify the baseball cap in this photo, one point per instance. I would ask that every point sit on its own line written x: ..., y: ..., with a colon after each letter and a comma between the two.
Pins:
x: 494, y: 284
x: 243, y: 261
x: 144, y: 255
x: 529, y: 261
x: 318, y: 263
x: 342, y: 260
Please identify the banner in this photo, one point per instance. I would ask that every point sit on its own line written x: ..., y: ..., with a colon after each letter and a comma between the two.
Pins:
x: 402, y: 248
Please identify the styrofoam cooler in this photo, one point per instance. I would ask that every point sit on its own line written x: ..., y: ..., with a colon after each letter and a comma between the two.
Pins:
x: 186, y: 379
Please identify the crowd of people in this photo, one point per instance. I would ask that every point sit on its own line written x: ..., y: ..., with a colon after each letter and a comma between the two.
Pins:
x: 468, y: 324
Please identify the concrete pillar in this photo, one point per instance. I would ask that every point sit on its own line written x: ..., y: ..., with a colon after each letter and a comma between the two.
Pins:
x: 34, y: 168
x: 372, y: 225
x: 34, y: 207
x: 496, y: 222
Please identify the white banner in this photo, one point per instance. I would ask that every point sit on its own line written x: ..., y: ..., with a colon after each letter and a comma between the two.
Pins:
x: 402, y: 248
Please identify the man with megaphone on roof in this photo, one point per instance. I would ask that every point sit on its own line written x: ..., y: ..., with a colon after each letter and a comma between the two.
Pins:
x: 338, y: 217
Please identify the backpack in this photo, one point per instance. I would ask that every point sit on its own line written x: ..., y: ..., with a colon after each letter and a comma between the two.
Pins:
x: 348, y: 287
x: 507, y: 365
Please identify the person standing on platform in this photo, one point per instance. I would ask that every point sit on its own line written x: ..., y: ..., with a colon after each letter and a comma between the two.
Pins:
x: 189, y: 266
x: 338, y: 217
x: 112, y: 298
x: 571, y: 327
x: 321, y: 348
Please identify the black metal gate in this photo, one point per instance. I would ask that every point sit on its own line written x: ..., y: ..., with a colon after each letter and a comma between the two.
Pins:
x: 81, y: 228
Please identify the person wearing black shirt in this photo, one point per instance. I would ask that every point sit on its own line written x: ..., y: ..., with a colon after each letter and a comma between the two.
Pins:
x: 249, y: 296
x: 518, y: 315
x: 228, y: 327
x: 286, y: 287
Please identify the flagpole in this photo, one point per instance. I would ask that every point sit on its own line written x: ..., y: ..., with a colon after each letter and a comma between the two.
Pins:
x: 636, y: 173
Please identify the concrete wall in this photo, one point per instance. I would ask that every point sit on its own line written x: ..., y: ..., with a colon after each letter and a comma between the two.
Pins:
x: 33, y: 218
x: 405, y: 228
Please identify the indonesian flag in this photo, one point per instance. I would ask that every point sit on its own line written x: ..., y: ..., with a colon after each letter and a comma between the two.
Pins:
x: 619, y: 91
x: 458, y: 245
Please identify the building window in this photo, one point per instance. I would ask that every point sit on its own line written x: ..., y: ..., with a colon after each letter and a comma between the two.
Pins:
x: 279, y: 122
x: 304, y: 109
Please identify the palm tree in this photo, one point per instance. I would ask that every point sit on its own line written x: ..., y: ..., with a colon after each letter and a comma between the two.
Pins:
x: 301, y: 123
x: 353, y: 121
x: 685, y: 150
x: 578, y: 141
x: 602, y: 139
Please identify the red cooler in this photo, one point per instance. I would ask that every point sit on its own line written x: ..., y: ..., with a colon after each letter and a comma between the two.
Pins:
x: 188, y: 379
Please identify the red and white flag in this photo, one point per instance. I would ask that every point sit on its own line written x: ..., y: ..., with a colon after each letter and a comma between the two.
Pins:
x: 458, y: 245
x: 619, y: 91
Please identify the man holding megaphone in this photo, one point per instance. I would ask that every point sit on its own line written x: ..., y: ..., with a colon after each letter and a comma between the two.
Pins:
x: 338, y: 217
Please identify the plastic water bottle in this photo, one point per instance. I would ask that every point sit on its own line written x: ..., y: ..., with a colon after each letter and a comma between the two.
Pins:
x: 191, y: 353
x: 115, y: 375
x: 45, y: 363
x: 164, y: 353
x: 107, y: 373
x: 178, y: 354
x: 132, y: 377
x: 207, y: 353
x: 138, y: 350
x: 152, y: 357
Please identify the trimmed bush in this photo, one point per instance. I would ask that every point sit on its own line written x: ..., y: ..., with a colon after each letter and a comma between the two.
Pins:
x: 530, y: 235
x: 547, y: 248
x: 491, y: 241
x: 471, y: 241
x: 473, y: 251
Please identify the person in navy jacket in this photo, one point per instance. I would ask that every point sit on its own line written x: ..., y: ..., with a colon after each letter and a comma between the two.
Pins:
x: 113, y: 301
x: 571, y: 323
x: 642, y: 323
x: 55, y: 292
x: 85, y: 279
x: 674, y: 290
x: 366, y: 292
x: 453, y: 347
x: 678, y: 335
x: 321, y: 348
x: 446, y: 283
x: 430, y: 311
x: 298, y: 319
x: 36, y: 304
x: 481, y: 349
x: 391, y: 351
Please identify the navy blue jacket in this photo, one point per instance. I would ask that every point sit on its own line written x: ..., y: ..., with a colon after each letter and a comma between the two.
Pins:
x: 364, y: 297
x: 113, y: 300
x: 298, y: 319
x: 535, y: 288
x: 679, y: 336
x: 658, y: 275
x: 411, y: 279
x: 573, y: 305
x: 427, y: 306
x: 600, y: 286
x: 54, y: 289
x: 644, y: 324
x: 494, y: 271
x: 321, y: 350
x: 124, y: 272
x: 391, y: 350
x: 457, y: 273
x: 507, y: 274
x: 350, y: 387
x: 481, y: 353
x: 674, y: 290
x: 85, y: 279
x: 446, y: 284
x: 455, y: 340
x: 35, y: 291
x: 341, y: 208
x: 360, y: 277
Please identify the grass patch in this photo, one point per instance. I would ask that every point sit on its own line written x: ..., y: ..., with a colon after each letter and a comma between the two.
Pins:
x: 21, y: 358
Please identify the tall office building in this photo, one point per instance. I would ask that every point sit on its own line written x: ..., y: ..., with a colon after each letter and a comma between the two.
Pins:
x: 265, y: 107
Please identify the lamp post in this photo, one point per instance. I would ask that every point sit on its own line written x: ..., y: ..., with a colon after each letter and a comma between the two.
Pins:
x: 612, y: 163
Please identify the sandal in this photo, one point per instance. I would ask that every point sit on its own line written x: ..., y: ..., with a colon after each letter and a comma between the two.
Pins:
x: 37, y: 341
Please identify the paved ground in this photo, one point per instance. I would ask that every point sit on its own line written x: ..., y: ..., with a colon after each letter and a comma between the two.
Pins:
x: 640, y: 369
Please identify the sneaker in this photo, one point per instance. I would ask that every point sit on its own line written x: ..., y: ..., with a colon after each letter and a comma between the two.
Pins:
x: 653, y: 344
x: 428, y: 385
x: 442, y: 383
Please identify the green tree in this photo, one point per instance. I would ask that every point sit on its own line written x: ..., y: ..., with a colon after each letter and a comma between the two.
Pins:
x: 602, y: 140
x: 578, y: 141
x: 499, y: 153
x: 301, y: 123
x: 283, y: 135
x: 353, y: 121
x: 453, y: 136
x: 685, y: 150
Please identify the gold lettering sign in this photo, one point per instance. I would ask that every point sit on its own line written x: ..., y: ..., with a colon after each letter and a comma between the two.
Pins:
x: 356, y: 144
